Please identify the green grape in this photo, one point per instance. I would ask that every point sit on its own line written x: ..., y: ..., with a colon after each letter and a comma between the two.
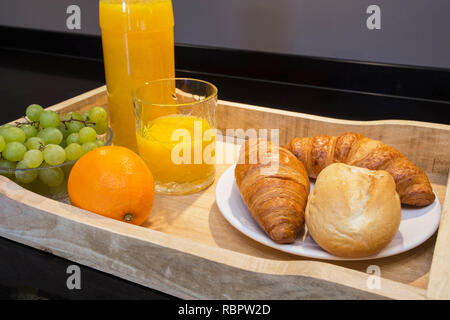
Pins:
x: 85, y: 115
x: 35, y: 143
x: 75, y: 126
x: 51, y: 176
x: 64, y: 130
x: 14, y: 134
x: 73, y: 138
x: 14, y: 151
x: 6, y: 166
x: 88, y: 146
x: 74, y: 151
x: 87, y: 134
x: 54, y: 154
x: 30, y: 130
x: 26, y: 176
x: 98, y: 114
x: 72, y: 115
x: 33, y: 158
x: 4, y: 127
x: 67, y: 168
x: 33, y: 112
x: 99, y: 143
x: 63, y: 144
x: 101, y: 127
x: 2, y: 143
x: 50, y: 136
x: 49, y: 119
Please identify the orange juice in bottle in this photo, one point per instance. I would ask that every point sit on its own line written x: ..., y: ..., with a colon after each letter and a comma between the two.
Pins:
x: 138, y: 46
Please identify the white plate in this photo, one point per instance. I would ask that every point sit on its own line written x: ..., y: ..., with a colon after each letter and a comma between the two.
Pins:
x: 417, y: 224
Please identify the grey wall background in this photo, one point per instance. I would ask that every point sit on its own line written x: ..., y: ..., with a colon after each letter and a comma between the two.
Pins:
x: 413, y: 32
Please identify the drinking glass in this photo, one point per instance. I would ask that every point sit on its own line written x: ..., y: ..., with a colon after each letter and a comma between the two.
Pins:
x: 176, y: 132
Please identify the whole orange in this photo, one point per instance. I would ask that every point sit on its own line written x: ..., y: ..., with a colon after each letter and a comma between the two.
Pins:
x: 112, y: 181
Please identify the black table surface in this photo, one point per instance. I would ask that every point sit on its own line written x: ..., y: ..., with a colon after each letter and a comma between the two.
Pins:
x: 31, y: 77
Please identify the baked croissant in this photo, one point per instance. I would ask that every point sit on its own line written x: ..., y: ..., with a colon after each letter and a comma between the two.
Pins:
x: 275, y: 187
x: 317, y: 152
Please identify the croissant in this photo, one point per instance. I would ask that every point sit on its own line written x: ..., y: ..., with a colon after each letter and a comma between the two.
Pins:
x: 317, y: 152
x: 274, y: 185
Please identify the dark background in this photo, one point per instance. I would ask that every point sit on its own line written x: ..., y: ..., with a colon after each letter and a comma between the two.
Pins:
x: 47, y: 67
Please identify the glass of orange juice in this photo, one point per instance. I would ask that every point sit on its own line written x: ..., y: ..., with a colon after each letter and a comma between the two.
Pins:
x: 175, y: 132
x: 138, y: 46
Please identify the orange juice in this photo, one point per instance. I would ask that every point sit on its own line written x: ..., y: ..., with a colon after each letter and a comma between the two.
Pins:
x: 179, y: 157
x: 138, y: 46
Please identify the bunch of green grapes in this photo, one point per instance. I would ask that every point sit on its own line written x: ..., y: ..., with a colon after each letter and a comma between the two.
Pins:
x: 45, y: 140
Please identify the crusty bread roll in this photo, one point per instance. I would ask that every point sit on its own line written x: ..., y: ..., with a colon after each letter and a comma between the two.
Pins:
x: 353, y: 212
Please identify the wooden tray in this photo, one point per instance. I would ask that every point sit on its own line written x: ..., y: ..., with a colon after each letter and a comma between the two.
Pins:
x: 187, y: 249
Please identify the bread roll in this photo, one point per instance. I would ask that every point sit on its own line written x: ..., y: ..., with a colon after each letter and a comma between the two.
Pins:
x: 353, y: 212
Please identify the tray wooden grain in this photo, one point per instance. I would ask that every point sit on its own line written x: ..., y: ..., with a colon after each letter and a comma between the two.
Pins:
x: 187, y: 249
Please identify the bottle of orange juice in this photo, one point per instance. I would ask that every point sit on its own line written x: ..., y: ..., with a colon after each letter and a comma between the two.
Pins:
x: 138, y: 46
